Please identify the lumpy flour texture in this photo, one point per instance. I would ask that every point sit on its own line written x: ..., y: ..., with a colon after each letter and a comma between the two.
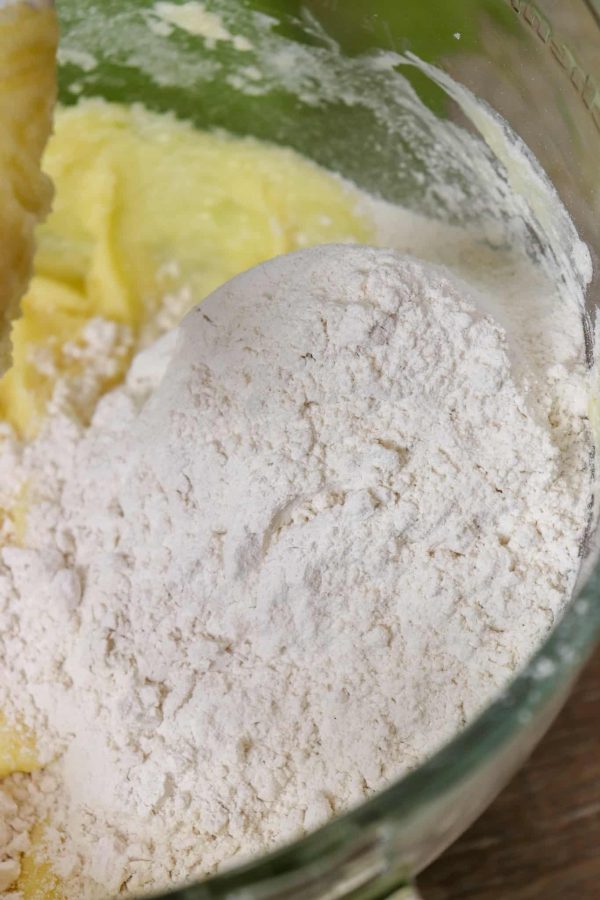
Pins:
x: 257, y: 589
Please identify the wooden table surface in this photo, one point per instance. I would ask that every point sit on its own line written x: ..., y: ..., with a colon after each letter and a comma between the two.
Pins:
x: 540, y: 840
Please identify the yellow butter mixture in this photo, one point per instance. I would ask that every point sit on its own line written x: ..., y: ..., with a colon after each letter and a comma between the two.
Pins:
x: 145, y: 204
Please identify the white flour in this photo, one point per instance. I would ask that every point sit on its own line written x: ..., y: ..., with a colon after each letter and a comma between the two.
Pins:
x: 343, y: 523
x: 346, y: 517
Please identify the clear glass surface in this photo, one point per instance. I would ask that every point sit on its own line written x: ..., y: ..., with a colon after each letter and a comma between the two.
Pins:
x: 538, y: 65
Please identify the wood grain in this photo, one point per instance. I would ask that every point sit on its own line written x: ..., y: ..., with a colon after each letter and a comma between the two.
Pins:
x: 540, y: 840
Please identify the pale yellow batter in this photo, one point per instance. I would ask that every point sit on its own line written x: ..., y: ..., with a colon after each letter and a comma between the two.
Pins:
x: 144, y: 205
x: 135, y: 192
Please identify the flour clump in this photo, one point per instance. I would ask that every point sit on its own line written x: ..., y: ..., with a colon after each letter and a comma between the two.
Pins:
x: 282, y: 578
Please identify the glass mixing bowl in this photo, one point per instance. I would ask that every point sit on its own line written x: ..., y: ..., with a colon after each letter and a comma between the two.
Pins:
x: 538, y: 65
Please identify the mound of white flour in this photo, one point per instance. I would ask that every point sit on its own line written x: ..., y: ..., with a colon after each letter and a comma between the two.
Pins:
x: 340, y: 524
